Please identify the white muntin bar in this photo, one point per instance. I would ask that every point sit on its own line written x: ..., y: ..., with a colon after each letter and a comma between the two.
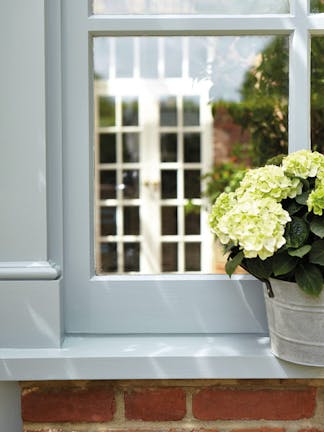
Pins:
x: 201, y: 24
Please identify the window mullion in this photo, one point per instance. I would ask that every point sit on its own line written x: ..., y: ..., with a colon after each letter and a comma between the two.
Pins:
x: 299, y: 80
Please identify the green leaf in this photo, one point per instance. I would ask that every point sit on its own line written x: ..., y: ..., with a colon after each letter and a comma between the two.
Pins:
x: 234, y: 262
x: 259, y: 268
x: 309, y: 279
x: 300, y: 252
x: 296, y: 233
x: 292, y: 207
x: 283, y: 263
x: 302, y: 198
x: 317, y: 226
x: 316, y: 255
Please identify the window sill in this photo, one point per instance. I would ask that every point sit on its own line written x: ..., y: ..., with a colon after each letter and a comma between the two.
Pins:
x: 152, y: 357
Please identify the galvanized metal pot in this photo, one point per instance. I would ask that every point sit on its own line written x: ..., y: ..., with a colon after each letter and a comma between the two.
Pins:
x: 296, y: 323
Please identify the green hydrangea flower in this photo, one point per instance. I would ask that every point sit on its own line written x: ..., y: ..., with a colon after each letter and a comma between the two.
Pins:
x: 257, y: 226
x: 269, y: 181
x: 315, y: 200
x: 303, y: 163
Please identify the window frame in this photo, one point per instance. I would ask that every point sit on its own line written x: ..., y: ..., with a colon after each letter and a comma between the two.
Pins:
x: 158, y: 303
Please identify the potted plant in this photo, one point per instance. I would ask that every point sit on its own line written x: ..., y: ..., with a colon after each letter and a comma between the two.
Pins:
x: 272, y: 225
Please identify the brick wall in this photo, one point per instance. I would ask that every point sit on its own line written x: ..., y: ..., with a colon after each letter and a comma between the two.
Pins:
x: 174, y: 406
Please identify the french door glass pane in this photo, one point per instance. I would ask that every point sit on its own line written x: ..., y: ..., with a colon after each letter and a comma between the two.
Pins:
x: 317, y: 91
x: 190, y: 6
x: 176, y: 120
x: 317, y: 6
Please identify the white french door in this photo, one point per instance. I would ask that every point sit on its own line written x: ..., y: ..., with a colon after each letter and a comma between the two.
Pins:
x: 153, y: 143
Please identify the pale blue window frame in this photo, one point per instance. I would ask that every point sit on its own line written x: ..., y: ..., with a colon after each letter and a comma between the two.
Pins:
x: 34, y: 177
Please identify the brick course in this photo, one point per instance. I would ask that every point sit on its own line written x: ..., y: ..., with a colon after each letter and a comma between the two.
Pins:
x: 174, y: 406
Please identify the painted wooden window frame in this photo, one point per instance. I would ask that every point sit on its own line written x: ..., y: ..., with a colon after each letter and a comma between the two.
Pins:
x: 33, y: 248
x: 31, y: 217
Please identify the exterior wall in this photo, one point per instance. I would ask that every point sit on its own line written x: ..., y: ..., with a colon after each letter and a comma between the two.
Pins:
x: 174, y: 405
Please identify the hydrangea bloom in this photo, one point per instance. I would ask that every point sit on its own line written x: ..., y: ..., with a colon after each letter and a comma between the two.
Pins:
x: 315, y: 200
x: 269, y: 181
x: 303, y: 163
x: 224, y: 203
x: 257, y: 226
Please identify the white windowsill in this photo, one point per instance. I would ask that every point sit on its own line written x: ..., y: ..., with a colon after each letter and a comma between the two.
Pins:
x: 152, y: 357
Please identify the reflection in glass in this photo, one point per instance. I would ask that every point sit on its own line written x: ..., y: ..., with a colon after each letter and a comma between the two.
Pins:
x: 191, y: 110
x: 108, y: 221
x: 190, y: 6
x: 107, y: 184
x: 185, y: 123
x: 131, y: 257
x: 130, y: 111
x: 107, y: 143
x: 101, y: 63
x: 169, y: 257
x: 169, y: 184
x: 197, y: 58
x: 149, y: 57
x: 108, y: 257
x: 130, y: 147
x: 106, y: 111
x: 169, y: 147
x: 125, y: 62
x: 169, y: 223
x: 131, y: 220
x: 191, y: 147
x: 317, y: 91
x: 192, y: 222
x: 192, y: 256
x: 168, y: 111
x: 316, y: 6
x: 173, y: 63
x: 192, y: 184
x: 131, y: 183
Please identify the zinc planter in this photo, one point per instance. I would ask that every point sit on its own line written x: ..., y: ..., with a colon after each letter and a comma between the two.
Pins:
x: 296, y: 323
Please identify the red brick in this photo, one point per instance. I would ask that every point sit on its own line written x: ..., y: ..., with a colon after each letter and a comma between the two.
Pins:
x: 226, y: 404
x: 155, y: 405
x: 262, y: 429
x: 311, y: 430
x: 68, y: 405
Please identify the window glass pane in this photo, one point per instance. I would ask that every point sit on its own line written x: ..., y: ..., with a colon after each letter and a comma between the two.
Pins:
x: 191, y: 110
x: 108, y: 221
x: 168, y: 111
x: 131, y: 257
x: 192, y: 254
x: 130, y: 147
x: 317, y: 108
x: 107, y: 184
x: 169, y: 184
x: 130, y: 112
x: 192, y: 222
x: 149, y: 57
x: 317, y: 6
x: 131, y: 183
x: 169, y: 147
x: 192, y: 183
x: 169, y: 220
x: 191, y: 147
x: 107, y: 144
x: 190, y: 6
x: 173, y: 57
x: 106, y: 111
x: 169, y: 138
x: 108, y: 258
x: 125, y: 63
x: 169, y: 257
x: 131, y: 220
